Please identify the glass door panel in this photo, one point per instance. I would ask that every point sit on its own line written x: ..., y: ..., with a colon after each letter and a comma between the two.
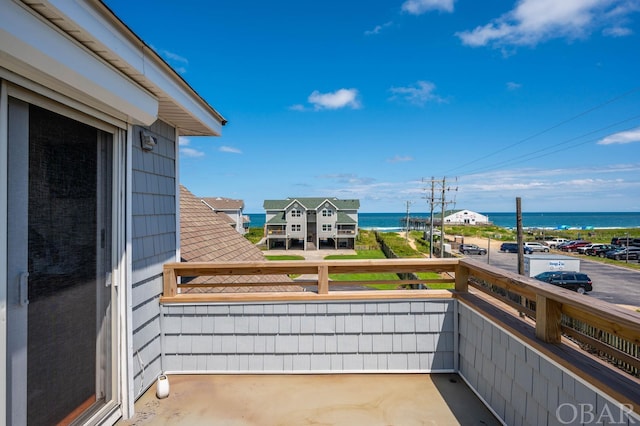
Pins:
x: 68, y: 261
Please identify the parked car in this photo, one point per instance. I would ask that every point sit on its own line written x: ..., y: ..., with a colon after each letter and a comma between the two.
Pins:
x: 624, y: 253
x: 559, y: 246
x: 553, y: 242
x: 574, y: 246
x: 583, y: 249
x: 576, y: 281
x: 625, y: 241
x: 535, y: 246
x: 602, y: 250
x: 513, y: 248
x: 471, y: 249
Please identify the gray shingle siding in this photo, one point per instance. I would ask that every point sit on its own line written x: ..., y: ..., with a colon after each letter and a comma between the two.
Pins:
x: 518, y: 383
x: 323, y: 337
x: 153, y: 244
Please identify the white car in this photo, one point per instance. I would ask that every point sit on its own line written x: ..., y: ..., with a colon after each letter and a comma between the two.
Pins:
x: 535, y: 246
x: 555, y: 241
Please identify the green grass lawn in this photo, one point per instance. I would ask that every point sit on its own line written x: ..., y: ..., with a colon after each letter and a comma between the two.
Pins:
x: 361, y: 254
x: 284, y: 257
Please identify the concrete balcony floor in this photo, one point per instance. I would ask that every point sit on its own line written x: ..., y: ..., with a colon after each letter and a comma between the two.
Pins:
x: 312, y: 399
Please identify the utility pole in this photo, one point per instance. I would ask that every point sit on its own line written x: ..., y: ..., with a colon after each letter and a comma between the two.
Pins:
x: 431, y: 201
x: 520, y: 236
x: 406, y: 234
x: 439, y: 198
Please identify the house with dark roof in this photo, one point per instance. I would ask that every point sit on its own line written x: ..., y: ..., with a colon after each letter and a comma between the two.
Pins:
x: 232, y: 209
x: 311, y: 223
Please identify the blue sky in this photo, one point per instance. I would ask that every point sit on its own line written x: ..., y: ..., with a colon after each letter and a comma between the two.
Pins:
x: 538, y: 99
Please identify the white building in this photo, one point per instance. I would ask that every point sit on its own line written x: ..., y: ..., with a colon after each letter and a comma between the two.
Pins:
x: 464, y: 217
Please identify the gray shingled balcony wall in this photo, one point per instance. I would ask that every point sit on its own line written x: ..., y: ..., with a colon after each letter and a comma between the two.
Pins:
x: 153, y: 244
x: 522, y: 386
x: 355, y: 336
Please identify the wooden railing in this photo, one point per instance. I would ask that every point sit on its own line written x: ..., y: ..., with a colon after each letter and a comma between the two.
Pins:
x: 552, y: 308
x: 606, y: 329
x: 317, y: 285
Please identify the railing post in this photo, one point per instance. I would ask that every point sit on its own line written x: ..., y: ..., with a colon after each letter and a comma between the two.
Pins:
x: 548, y: 318
x: 170, y: 281
x: 462, y: 278
x: 323, y: 279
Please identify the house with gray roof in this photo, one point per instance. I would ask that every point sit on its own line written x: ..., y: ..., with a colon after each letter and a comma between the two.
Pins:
x: 232, y: 209
x: 311, y: 223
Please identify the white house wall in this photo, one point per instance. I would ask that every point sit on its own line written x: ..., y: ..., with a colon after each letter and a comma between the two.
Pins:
x: 154, y: 243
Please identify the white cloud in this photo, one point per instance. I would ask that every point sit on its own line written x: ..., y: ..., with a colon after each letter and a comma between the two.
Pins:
x: 513, y: 85
x: 229, y: 149
x: 378, y: 28
x: 177, y: 62
x: 562, y: 189
x: 617, y: 32
x: 297, y: 107
x: 192, y: 153
x: 534, y: 21
x: 335, y: 100
x: 418, y: 94
x: 348, y: 178
x: 418, y: 7
x: 183, y: 143
x: 400, y: 159
x: 174, y: 57
x: 628, y: 136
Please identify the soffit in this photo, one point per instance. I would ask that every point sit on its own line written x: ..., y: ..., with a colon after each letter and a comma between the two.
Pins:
x: 169, y: 110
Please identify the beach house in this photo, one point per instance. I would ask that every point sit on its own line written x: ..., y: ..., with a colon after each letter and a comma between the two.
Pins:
x: 230, y: 209
x: 311, y: 223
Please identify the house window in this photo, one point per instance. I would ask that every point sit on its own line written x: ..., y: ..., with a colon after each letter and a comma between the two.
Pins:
x: 326, y: 227
x: 296, y: 228
x: 296, y: 213
x: 327, y: 212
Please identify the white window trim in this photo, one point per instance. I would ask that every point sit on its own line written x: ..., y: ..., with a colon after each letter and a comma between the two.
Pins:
x: 121, y: 350
x: 4, y: 149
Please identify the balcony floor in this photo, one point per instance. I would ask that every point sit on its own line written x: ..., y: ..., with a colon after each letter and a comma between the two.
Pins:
x: 330, y: 399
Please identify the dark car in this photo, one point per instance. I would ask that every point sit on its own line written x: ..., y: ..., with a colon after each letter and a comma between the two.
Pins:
x: 601, y: 250
x: 471, y: 249
x: 513, y: 248
x: 576, y: 281
x: 625, y: 241
x: 624, y: 253
x: 574, y: 246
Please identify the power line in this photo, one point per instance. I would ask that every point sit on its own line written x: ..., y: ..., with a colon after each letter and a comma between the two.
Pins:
x: 528, y: 156
x: 555, y: 126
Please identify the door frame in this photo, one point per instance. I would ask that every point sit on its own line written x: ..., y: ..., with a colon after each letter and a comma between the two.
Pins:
x: 121, y: 402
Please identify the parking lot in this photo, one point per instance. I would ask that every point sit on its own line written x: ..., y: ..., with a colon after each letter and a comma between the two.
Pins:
x: 611, y: 283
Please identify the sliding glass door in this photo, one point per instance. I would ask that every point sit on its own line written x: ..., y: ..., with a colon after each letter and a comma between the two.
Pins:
x: 59, y: 266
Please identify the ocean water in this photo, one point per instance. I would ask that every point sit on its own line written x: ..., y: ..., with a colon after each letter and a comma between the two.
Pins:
x: 392, y: 221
